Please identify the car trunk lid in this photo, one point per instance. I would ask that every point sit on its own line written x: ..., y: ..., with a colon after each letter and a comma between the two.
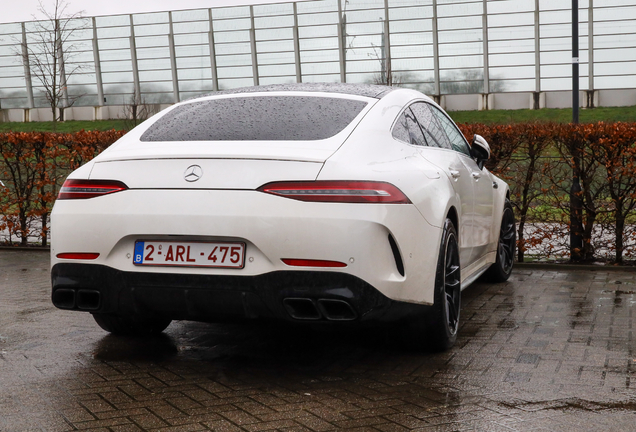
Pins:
x: 203, y: 173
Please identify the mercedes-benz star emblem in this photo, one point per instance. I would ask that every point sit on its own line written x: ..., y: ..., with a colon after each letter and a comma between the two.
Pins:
x: 193, y: 173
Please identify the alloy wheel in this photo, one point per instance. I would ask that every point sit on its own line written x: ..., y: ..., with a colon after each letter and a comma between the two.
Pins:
x: 507, y: 240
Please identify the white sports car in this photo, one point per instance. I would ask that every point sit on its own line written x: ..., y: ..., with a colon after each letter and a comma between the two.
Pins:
x: 308, y: 202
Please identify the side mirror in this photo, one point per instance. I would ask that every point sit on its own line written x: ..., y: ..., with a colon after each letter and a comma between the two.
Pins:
x: 480, y: 150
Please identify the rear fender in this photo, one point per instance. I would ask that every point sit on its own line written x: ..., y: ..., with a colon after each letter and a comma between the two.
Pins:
x: 502, y: 192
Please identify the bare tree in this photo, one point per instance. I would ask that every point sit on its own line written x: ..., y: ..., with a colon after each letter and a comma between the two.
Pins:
x: 469, y: 81
x: 385, y: 76
x: 137, y: 110
x: 46, y: 51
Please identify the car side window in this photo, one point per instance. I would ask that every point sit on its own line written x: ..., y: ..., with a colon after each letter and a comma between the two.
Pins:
x: 433, y: 132
x: 456, y: 138
x: 406, y: 129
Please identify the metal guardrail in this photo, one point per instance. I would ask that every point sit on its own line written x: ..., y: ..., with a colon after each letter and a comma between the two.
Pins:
x: 437, y: 46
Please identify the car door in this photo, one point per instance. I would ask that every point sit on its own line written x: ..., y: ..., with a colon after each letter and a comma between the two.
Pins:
x: 439, y: 151
x: 483, y: 192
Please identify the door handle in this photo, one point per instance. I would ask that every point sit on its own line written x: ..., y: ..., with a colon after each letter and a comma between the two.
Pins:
x: 454, y: 173
x: 476, y: 175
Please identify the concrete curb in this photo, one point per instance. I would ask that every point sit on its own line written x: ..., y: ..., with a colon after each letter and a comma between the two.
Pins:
x: 587, y: 267
x: 26, y: 248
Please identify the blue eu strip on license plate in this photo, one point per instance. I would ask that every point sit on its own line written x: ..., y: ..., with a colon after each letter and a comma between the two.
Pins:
x: 139, y: 253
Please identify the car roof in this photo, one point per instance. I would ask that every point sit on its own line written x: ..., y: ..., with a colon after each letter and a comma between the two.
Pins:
x: 366, y: 90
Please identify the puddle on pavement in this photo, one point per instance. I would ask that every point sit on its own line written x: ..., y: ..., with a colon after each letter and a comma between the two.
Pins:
x: 618, y: 300
x: 507, y: 324
x: 580, y: 312
x: 574, y: 404
x: 35, y: 310
x: 118, y: 348
x: 619, y: 292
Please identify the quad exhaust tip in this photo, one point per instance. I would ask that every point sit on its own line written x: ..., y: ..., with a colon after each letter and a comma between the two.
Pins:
x: 64, y: 298
x: 336, y: 310
x: 88, y: 299
x: 83, y: 299
x: 307, y: 309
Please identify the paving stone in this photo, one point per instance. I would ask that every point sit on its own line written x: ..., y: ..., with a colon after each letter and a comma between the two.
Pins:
x: 222, y: 426
x: 147, y: 421
x: 240, y: 417
x: 314, y: 423
x: 391, y: 427
x: 127, y: 428
x: 295, y: 428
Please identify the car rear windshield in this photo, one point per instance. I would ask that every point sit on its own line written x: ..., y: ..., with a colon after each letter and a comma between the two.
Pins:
x: 257, y: 118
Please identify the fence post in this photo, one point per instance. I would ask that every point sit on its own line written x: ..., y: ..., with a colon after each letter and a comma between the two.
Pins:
x: 135, y: 67
x: 484, y: 21
x: 98, y: 66
x: 576, y: 203
x: 27, y: 69
x: 536, y: 97
x: 342, y: 42
x: 173, y: 61
x: 59, y: 52
x: 438, y: 87
x: 299, y: 75
x: 387, y: 45
x: 215, y: 76
x: 575, y: 61
x: 253, y: 47
x: 590, y: 51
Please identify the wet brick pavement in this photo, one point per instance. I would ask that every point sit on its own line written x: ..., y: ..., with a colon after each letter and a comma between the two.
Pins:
x: 551, y: 350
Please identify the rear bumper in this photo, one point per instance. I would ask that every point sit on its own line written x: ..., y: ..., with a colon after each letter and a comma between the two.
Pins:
x: 309, y: 297
x: 272, y: 228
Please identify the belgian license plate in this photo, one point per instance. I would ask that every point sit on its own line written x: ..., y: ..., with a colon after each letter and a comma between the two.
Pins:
x: 190, y: 254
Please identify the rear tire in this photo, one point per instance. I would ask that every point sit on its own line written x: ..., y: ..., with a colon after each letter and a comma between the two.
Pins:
x: 127, y: 325
x: 502, y: 268
x: 436, y: 328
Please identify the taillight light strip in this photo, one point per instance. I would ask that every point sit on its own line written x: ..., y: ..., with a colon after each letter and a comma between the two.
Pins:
x: 77, y: 255
x: 338, y: 191
x: 84, y: 189
x: 312, y: 263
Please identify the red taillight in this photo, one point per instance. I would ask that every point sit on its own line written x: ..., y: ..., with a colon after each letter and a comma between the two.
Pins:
x: 312, y: 263
x: 83, y: 189
x: 77, y: 255
x: 338, y: 191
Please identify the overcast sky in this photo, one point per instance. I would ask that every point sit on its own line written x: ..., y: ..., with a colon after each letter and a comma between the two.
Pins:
x: 24, y: 10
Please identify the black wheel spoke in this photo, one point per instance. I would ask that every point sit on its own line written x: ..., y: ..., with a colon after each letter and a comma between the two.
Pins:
x: 452, y: 285
x: 451, y: 313
x: 506, y: 250
x: 452, y: 272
